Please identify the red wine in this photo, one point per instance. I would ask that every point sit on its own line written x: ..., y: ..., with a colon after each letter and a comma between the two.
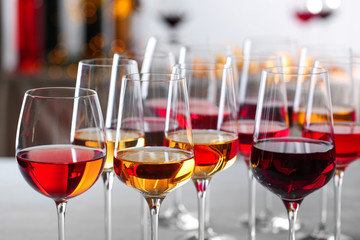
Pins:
x: 346, y: 137
x: 154, y: 131
x: 61, y: 171
x: 157, y: 106
x: 204, y: 115
x: 246, y: 130
x: 172, y: 19
x: 293, y: 167
x: 247, y: 110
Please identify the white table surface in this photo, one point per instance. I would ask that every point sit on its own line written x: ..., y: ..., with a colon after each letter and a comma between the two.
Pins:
x: 26, y: 214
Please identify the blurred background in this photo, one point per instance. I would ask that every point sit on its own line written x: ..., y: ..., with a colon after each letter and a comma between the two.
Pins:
x: 41, y: 41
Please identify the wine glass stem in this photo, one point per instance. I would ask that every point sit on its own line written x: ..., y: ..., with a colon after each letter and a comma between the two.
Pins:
x: 292, y: 209
x: 323, y: 213
x: 338, y: 179
x: 61, y: 207
x: 108, y: 178
x: 252, y: 196
x: 154, y: 205
x: 201, y: 186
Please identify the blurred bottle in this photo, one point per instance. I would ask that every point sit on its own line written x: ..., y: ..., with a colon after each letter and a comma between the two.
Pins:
x: 52, y: 36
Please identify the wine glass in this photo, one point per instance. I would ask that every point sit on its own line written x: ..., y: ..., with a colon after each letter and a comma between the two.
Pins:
x: 344, y: 93
x: 292, y: 167
x: 105, y: 78
x: 287, y: 49
x: 249, y: 69
x: 206, y: 54
x: 176, y: 214
x: 213, y: 119
x: 161, y: 165
x: 308, y: 55
x: 50, y: 157
x: 173, y: 14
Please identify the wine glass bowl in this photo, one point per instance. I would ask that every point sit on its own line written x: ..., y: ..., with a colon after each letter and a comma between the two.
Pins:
x: 49, y: 157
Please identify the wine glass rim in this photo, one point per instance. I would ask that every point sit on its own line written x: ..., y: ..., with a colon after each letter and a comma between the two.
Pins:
x: 258, y: 57
x: 295, y: 71
x: 66, y: 93
x: 141, y: 54
x: 146, y: 77
x: 203, y: 66
x: 106, y: 62
x: 338, y: 60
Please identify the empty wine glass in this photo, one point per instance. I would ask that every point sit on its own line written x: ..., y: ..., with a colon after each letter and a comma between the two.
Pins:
x: 161, y: 165
x: 292, y: 167
x: 213, y: 119
x: 50, y: 157
x: 105, y: 78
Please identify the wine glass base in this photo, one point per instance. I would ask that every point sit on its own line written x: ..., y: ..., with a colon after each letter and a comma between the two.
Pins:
x: 210, y: 234
x: 323, y: 235
x: 270, y: 224
x: 178, y: 218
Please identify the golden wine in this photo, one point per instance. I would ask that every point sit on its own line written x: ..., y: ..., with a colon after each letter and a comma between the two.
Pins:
x: 129, y: 139
x: 214, y: 150
x: 154, y: 171
x: 340, y: 114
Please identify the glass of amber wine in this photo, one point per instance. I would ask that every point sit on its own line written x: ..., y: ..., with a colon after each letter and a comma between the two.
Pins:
x: 50, y: 158
x: 167, y: 160
x: 104, y: 75
x: 213, y: 119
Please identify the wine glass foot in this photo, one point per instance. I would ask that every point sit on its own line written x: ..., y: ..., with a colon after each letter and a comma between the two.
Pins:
x: 266, y: 223
x: 178, y: 217
x: 210, y: 234
x: 323, y: 235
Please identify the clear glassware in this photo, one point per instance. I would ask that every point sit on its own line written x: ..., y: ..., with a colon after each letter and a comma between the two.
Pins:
x: 213, y: 119
x: 308, y: 55
x: 293, y: 167
x: 176, y: 215
x: 344, y: 87
x: 249, y: 69
x: 287, y: 49
x: 206, y: 54
x: 51, y: 157
x: 105, y: 78
x: 155, y: 106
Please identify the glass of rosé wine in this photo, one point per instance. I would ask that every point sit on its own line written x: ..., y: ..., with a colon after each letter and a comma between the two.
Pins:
x: 101, y: 75
x: 49, y: 156
x: 155, y: 106
x: 213, y: 119
x: 292, y: 167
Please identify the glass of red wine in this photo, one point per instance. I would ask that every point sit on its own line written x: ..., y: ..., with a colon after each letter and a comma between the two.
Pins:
x: 213, y: 119
x: 166, y: 161
x: 249, y: 69
x: 292, y: 167
x: 345, y: 104
x: 309, y: 53
x: 105, y: 78
x: 49, y: 156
